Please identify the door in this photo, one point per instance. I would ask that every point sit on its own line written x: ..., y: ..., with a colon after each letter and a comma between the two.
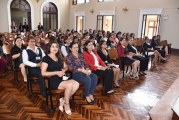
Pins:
x: 150, y: 25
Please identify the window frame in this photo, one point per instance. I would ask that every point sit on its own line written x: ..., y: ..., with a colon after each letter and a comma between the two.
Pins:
x: 51, y: 15
x: 75, y: 2
x: 105, y: 1
x: 77, y: 22
x: 103, y: 21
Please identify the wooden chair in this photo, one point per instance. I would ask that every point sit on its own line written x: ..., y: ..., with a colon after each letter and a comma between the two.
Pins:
x: 165, y: 43
x: 7, y: 48
x: 49, y: 93
x: 146, y: 54
x: 121, y: 61
x: 30, y: 78
x: 114, y: 56
x: 138, y: 44
x: 7, y: 52
x: 15, y: 71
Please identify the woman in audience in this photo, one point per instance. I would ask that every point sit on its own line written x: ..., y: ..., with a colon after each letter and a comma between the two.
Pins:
x: 110, y: 42
x: 156, y: 45
x: 81, y: 45
x: 81, y: 72
x: 97, y: 66
x: 104, y: 55
x: 54, y: 67
x: 165, y: 47
x: 4, y: 39
x: 127, y: 59
x: 149, y: 50
x: 16, y: 52
x: 65, y: 48
x: 3, y: 62
x: 136, y: 55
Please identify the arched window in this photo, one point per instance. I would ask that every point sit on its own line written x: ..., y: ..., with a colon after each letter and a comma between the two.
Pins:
x: 50, y: 16
x: 21, y: 13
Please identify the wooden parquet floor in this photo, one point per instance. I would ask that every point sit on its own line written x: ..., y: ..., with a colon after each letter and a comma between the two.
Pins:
x: 132, y: 101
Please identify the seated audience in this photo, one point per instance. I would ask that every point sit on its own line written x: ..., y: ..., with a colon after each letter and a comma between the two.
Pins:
x: 104, y: 55
x: 54, y: 67
x: 127, y: 59
x: 136, y: 55
x: 165, y: 47
x: 97, y: 66
x: 32, y: 58
x: 81, y: 72
x: 149, y: 50
x: 157, y: 47
x: 16, y: 52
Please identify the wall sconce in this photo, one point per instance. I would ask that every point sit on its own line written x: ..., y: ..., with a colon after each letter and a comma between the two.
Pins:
x: 92, y: 11
x: 165, y: 17
x: 37, y: 1
x: 125, y: 9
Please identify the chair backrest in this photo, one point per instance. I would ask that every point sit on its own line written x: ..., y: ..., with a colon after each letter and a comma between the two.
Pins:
x: 113, y: 53
x: 164, y: 42
x: 7, y: 49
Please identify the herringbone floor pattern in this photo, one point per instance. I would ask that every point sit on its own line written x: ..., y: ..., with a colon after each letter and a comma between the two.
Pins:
x: 132, y: 101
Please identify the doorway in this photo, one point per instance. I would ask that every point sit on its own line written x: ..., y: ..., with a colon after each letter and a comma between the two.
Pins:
x: 79, y: 23
x: 20, y: 13
x: 50, y: 16
x: 150, y: 25
x: 105, y: 22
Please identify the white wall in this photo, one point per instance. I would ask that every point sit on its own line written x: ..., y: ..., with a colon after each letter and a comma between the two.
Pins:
x: 3, y: 16
x: 62, y: 6
x: 124, y: 21
x: 129, y: 21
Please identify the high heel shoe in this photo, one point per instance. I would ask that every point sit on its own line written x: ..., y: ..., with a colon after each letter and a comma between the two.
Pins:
x: 116, y: 83
x: 61, y: 104
x: 89, y: 102
x: 67, y: 111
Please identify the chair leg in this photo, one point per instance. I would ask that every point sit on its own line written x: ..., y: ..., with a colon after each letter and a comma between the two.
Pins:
x: 123, y: 71
x: 29, y: 86
x: 72, y: 102
x: 16, y: 80
x: 46, y: 99
x: 51, y: 102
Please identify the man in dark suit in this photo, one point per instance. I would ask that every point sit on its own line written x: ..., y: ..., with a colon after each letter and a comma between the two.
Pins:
x: 21, y: 27
x: 25, y: 26
x: 40, y: 27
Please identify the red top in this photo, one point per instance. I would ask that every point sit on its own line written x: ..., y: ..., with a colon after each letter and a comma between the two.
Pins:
x: 120, y: 51
x: 90, y: 60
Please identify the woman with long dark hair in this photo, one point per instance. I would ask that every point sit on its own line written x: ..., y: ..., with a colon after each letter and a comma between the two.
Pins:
x: 54, y: 67
x: 104, y: 55
x: 3, y: 61
x: 16, y: 52
x: 97, y: 66
x: 127, y: 59
x: 81, y: 72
